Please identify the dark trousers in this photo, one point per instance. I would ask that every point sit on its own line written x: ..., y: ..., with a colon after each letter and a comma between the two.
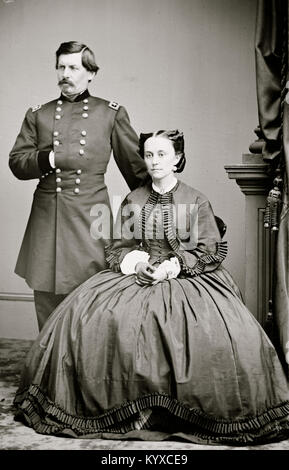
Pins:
x: 45, y: 303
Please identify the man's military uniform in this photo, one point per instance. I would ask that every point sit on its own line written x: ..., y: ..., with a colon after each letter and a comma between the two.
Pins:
x: 58, y: 251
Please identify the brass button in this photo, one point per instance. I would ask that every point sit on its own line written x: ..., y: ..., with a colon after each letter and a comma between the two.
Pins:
x: 58, y: 109
x: 78, y: 172
x: 85, y: 108
x: 77, y: 181
x: 58, y: 190
x: 84, y: 115
x: 57, y: 170
x: 76, y: 190
x: 81, y: 152
x: 59, y: 102
x: 55, y: 133
x: 57, y: 116
x: 56, y: 142
x: 82, y: 142
x: 85, y: 100
x: 58, y: 180
x: 83, y: 133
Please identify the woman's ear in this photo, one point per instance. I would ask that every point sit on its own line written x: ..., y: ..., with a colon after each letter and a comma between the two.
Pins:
x: 178, y: 157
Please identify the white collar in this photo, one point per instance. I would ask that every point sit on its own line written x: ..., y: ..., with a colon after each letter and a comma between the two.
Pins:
x: 166, y: 189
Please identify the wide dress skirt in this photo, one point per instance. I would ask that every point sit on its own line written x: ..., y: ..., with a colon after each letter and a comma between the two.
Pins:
x: 183, y: 359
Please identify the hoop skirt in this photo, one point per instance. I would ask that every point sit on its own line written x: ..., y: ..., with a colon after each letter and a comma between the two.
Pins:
x: 180, y: 359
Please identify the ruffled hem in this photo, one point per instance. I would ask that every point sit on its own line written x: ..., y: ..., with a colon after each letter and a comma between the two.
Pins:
x: 130, y: 420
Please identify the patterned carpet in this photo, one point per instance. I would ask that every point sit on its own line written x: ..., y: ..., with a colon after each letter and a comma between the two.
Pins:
x: 16, y: 436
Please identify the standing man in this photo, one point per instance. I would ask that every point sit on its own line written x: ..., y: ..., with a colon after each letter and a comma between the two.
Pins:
x: 66, y: 144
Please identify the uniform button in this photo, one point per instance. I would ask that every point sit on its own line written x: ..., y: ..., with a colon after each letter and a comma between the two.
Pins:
x: 83, y: 133
x: 57, y: 116
x: 55, y: 133
x: 42, y: 176
x: 59, y: 102
x: 82, y: 142
x: 85, y: 100
x: 58, y: 190
x: 58, y: 109
x: 85, y: 108
x: 57, y: 170
x: 56, y: 142
x: 84, y: 115
x: 46, y: 174
x: 77, y: 181
x: 58, y: 180
x: 78, y: 172
x: 81, y: 152
x: 76, y: 190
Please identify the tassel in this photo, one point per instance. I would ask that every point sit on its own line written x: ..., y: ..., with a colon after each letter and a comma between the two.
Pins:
x: 273, y: 204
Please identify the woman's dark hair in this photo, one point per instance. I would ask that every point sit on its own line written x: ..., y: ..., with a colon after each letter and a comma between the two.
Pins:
x: 71, y: 47
x: 177, y: 139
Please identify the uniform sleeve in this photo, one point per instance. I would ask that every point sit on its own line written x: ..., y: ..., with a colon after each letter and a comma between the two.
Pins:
x: 124, y: 236
x: 208, y: 251
x: 25, y: 160
x: 125, y: 150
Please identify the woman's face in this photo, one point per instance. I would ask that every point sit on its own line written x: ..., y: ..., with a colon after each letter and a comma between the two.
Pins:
x: 160, y: 157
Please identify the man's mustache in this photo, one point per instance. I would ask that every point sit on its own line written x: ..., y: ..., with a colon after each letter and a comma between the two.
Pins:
x: 64, y: 82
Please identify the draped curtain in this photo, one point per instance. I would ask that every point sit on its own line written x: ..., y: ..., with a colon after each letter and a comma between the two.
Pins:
x: 271, y: 48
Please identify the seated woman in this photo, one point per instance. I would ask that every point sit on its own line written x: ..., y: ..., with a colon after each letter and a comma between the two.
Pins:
x: 159, y: 346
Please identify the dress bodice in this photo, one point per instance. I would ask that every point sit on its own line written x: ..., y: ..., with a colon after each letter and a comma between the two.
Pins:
x: 156, y: 241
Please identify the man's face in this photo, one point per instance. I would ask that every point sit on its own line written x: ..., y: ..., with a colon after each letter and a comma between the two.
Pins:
x: 72, y: 77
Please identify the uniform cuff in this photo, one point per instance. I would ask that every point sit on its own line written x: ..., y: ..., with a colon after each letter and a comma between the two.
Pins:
x: 43, y: 161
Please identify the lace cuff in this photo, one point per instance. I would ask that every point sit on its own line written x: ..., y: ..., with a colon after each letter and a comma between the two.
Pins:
x: 172, y: 267
x: 129, y: 262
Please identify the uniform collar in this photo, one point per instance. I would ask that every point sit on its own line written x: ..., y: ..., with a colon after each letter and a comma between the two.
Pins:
x: 82, y: 96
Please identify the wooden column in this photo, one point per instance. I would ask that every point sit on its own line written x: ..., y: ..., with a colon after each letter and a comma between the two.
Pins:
x: 253, y: 179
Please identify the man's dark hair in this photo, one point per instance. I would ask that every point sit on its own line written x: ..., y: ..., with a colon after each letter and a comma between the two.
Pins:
x: 71, y: 47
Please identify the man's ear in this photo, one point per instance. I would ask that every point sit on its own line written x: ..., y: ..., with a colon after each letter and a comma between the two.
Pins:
x: 92, y: 75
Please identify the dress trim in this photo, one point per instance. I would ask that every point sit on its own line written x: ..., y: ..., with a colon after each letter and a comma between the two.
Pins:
x: 46, y: 417
x: 166, y: 201
x: 208, y: 258
x: 114, y: 256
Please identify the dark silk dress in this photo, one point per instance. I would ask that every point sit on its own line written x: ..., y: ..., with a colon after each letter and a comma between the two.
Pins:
x: 180, y: 359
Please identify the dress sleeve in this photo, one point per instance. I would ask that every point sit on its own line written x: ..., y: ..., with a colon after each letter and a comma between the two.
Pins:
x: 124, y: 236
x: 25, y: 160
x: 207, y: 251
x: 125, y: 145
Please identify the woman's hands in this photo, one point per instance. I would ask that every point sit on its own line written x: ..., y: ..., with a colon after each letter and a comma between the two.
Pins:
x: 148, y: 275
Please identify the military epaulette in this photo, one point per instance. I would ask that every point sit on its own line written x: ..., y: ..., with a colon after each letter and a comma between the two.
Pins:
x: 114, y: 105
x: 35, y: 108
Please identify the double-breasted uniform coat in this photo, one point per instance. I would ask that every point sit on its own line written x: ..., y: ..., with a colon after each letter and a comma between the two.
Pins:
x: 59, y: 250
